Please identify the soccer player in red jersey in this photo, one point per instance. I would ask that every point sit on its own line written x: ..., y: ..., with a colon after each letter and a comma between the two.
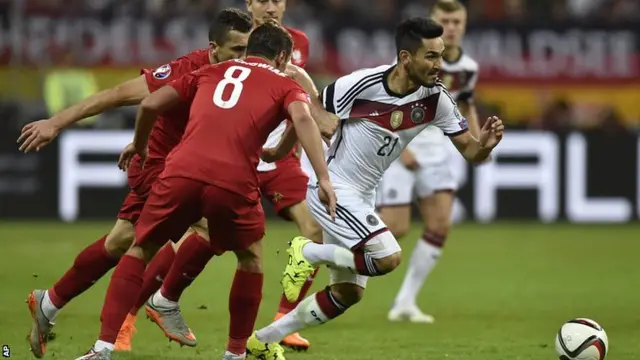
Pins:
x: 282, y: 182
x: 212, y: 173
x: 228, y: 38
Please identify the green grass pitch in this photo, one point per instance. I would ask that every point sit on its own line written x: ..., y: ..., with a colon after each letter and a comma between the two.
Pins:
x: 501, y: 292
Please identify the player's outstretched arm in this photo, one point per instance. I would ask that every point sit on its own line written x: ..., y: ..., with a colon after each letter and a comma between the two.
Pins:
x: 469, y: 111
x: 40, y: 133
x: 478, y: 150
x: 309, y: 136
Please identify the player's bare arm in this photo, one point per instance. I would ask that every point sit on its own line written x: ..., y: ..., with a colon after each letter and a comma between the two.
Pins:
x: 157, y: 102
x: 288, y: 140
x: 478, y: 150
x: 408, y: 159
x: 40, y: 133
x: 309, y: 136
x: 468, y: 110
x: 327, y: 122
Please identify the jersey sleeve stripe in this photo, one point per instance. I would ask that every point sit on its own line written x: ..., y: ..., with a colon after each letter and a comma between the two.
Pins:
x: 329, y: 94
x: 356, y: 87
x: 443, y: 89
x: 457, y: 132
x: 359, y: 91
x: 338, y: 143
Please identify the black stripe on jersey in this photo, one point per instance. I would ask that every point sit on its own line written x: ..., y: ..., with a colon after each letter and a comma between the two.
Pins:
x: 357, y: 90
x: 444, y: 90
x: 357, y: 84
x: 329, y: 93
x: 339, y: 142
x: 353, y: 222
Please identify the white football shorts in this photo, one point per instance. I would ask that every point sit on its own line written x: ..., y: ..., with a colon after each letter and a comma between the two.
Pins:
x: 357, y: 226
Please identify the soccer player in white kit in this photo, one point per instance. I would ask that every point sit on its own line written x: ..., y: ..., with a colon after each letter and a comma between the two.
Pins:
x: 423, y: 170
x: 382, y: 109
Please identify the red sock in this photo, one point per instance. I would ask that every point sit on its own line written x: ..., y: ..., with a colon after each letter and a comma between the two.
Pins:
x: 122, y: 292
x: 90, y: 265
x: 244, y: 302
x: 286, y: 306
x: 192, y: 257
x: 154, y: 275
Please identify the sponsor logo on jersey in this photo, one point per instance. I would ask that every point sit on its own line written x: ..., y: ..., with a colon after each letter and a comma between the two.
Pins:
x: 396, y: 119
x: 162, y: 72
x: 418, y: 113
x: 372, y: 220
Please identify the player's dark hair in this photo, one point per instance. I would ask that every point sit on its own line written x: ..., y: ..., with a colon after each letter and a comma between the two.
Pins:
x: 447, y: 6
x: 227, y: 20
x: 268, y: 40
x: 410, y: 32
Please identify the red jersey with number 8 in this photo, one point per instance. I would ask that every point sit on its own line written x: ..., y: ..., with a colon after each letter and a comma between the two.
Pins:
x: 234, y: 107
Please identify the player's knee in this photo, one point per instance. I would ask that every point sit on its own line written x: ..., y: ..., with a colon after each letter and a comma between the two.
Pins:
x: 389, y: 263
x: 120, y: 238
x: 201, y: 228
x: 249, y: 260
x: 347, y: 294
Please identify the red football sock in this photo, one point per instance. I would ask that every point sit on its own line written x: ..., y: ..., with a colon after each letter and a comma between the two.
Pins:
x: 192, y: 257
x: 286, y: 306
x: 90, y: 265
x: 154, y: 275
x: 244, y: 302
x: 122, y: 292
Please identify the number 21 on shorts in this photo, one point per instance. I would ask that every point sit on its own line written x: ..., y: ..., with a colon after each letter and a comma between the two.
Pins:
x: 234, y: 76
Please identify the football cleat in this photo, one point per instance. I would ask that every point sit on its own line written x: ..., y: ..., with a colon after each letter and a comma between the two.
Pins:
x: 297, y: 271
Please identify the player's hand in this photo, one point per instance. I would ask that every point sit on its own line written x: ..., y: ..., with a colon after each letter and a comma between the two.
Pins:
x: 328, y: 197
x: 409, y: 160
x: 128, y: 153
x: 491, y: 132
x: 327, y: 124
x: 270, y: 155
x: 36, y: 135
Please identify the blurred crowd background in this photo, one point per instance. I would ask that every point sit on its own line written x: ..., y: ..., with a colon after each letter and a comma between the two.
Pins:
x: 546, y: 64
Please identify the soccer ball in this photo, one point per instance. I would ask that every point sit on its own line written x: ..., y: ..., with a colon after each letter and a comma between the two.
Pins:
x: 582, y: 339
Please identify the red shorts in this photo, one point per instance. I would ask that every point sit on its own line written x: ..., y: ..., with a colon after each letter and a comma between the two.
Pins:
x: 140, y: 182
x: 174, y: 204
x: 284, y: 186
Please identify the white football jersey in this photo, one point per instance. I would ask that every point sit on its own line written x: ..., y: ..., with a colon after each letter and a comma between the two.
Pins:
x: 460, y: 79
x: 378, y: 124
x: 272, y: 141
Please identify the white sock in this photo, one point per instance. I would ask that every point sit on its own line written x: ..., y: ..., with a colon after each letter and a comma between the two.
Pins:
x: 101, y: 345
x: 49, y: 310
x: 319, y: 254
x: 305, y: 315
x: 423, y: 260
x: 158, y: 300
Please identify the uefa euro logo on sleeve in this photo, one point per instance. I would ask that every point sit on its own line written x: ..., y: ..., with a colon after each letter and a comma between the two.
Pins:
x: 463, y: 123
x: 162, y: 72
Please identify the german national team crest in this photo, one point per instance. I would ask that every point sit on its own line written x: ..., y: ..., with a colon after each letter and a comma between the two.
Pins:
x: 372, y: 220
x: 396, y: 119
x: 418, y: 113
x: 162, y: 72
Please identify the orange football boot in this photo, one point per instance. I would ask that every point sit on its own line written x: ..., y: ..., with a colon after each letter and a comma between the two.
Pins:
x: 294, y: 341
x: 123, y: 342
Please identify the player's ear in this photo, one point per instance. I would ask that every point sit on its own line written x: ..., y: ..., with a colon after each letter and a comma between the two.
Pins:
x: 404, y: 57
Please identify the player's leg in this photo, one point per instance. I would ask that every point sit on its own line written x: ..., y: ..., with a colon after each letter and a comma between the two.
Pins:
x: 90, y: 265
x: 356, y: 224
x: 286, y: 189
x: 171, y: 207
x: 435, y: 189
x: 345, y: 290
x: 239, y: 227
x: 193, y: 252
